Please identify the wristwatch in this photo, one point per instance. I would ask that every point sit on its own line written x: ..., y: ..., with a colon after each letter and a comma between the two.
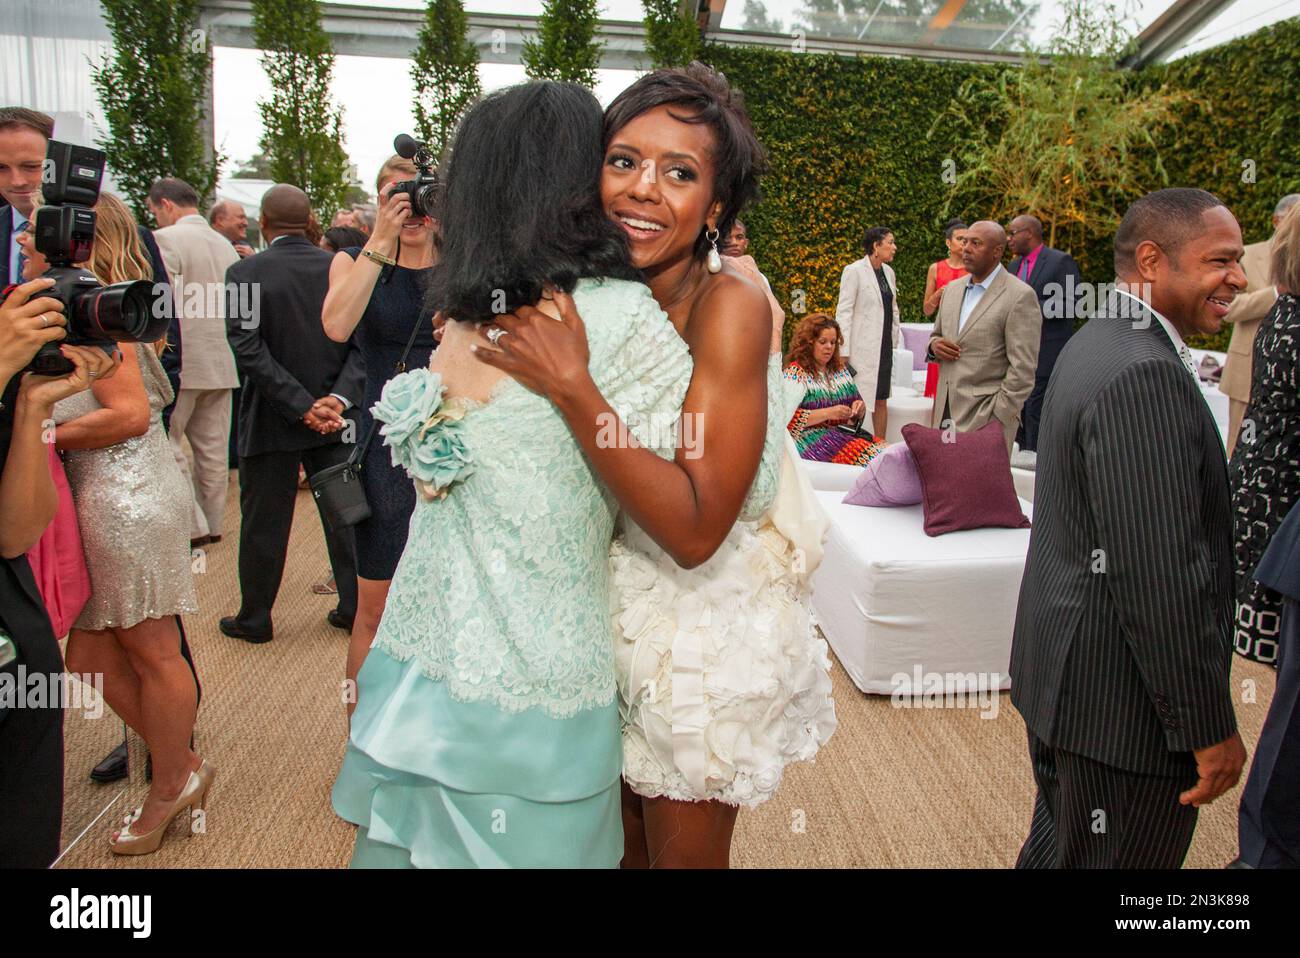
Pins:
x: 378, y: 257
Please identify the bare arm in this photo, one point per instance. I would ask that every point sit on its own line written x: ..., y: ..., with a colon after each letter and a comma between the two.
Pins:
x: 931, y: 300
x: 28, y: 499
x: 125, y: 411
x: 687, y: 505
x: 352, y: 281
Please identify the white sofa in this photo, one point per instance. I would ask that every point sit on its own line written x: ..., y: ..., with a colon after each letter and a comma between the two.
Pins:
x: 895, y: 603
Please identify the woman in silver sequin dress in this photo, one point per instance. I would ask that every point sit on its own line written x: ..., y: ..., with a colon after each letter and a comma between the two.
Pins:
x: 133, y: 512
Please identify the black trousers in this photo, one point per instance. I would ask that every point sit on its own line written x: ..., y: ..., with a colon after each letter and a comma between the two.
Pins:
x: 1032, y: 415
x: 31, y: 766
x: 1091, y: 815
x: 268, y: 486
x: 1268, y: 820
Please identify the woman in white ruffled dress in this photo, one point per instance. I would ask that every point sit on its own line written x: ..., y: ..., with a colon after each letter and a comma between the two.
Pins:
x: 723, y: 681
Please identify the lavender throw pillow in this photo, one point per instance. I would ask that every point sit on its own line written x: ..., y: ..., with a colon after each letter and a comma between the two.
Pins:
x: 890, y: 479
x: 917, y: 340
x: 965, y: 484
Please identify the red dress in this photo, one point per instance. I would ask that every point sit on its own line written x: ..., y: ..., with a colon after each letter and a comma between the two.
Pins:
x: 943, y: 275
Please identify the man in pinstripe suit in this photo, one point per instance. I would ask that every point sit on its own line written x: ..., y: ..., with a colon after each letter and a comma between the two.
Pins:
x: 1122, y: 648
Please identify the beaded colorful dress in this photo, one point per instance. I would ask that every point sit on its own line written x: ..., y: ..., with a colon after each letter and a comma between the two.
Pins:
x: 823, y: 442
x: 486, y: 732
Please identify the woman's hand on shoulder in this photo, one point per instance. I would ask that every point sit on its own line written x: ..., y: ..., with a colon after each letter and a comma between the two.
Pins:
x: 547, y: 356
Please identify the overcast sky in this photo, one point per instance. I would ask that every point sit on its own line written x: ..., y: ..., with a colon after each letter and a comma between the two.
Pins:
x: 375, y: 93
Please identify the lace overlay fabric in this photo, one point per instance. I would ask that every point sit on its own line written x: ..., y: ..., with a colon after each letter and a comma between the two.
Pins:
x: 502, y: 591
x: 763, y: 491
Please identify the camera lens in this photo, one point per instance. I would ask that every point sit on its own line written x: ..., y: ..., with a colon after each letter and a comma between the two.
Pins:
x: 124, y: 312
x: 424, y: 200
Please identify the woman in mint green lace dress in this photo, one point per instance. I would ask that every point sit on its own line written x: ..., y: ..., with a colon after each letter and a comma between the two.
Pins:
x: 486, y: 732
x: 722, y: 678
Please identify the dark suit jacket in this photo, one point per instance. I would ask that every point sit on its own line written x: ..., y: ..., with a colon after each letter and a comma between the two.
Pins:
x: 282, y: 351
x: 6, y: 234
x: 1055, y: 278
x: 1279, y: 567
x: 171, y: 357
x: 1123, y: 635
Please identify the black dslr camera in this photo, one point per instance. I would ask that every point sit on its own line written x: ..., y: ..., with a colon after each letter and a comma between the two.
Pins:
x: 424, y: 189
x: 64, y: 232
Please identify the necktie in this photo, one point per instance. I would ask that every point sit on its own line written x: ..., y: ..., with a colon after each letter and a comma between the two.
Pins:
x: 1024, y: 268
x: 1189, y: 361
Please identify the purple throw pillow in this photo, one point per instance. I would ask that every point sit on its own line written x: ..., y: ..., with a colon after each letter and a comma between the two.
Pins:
x: 918, y: 341
x: 890, y: 479
x: 966, y: 483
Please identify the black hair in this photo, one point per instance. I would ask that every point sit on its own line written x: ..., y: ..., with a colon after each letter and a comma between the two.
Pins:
x: 703, y: 96
x: 874, y: 235
x: 1168, y: 218
x: 340, y: 238
x: 520, y: 208
x: 953, y: 225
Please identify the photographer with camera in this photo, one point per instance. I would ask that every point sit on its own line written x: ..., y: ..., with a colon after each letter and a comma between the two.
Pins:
x: 31, y: 738
x: 378, y: 291
x: 133, y: 508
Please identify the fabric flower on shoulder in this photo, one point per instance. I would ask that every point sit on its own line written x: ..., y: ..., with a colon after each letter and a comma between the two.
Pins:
x: 407, y: 401
x: 423, y: 434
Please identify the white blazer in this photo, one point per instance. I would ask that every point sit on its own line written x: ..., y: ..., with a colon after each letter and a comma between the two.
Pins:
x: 197, y: 257
x: 861, y: 314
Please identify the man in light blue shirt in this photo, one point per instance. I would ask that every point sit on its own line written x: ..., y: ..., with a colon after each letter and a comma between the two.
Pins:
x: 974, y: 293
x: 985, y: 339
x: 18, y: 223
x: 24, y: 135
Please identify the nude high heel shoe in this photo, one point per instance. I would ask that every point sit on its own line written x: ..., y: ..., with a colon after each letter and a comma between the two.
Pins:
x: 195, y: 793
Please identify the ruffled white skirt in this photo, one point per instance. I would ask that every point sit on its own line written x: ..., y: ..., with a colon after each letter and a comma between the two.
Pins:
x: 723, y: 681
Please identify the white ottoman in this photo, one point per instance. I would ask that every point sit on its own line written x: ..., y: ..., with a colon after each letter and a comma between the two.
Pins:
x: 830, y: 476
x: 894, y: 603
x: 1024, y: 480
x: 906, y: 405
x: 902, y: 368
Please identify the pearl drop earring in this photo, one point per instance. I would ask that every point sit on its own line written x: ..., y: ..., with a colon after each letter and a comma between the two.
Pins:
x: 714, y: 261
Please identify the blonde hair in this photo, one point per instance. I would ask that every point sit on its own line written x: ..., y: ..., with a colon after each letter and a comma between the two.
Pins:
x: 1284, y: 259
x: 118, y: 255
x: 394, y: 164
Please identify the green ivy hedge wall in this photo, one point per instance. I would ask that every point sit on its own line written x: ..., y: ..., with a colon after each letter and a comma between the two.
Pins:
x: 849, y: 148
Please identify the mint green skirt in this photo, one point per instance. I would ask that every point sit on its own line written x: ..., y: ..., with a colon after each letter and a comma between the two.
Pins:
x: 432, y: 782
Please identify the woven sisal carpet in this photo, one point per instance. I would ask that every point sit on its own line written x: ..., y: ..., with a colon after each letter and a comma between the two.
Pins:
x: 895, y: 788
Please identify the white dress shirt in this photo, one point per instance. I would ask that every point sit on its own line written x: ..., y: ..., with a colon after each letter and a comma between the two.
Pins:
x: 973, y: 294
x: 1184, y: 353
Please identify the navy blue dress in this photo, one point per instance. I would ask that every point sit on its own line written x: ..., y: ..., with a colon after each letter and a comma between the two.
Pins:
x: 381, y: 335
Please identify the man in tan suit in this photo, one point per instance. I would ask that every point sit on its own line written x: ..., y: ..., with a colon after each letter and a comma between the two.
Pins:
x: 986, y: 338
x: 1245, y: 314
x: 197, y: 257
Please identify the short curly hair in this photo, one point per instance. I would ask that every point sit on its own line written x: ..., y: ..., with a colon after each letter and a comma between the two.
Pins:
x: 806, y: 335
x: 704, y: 96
